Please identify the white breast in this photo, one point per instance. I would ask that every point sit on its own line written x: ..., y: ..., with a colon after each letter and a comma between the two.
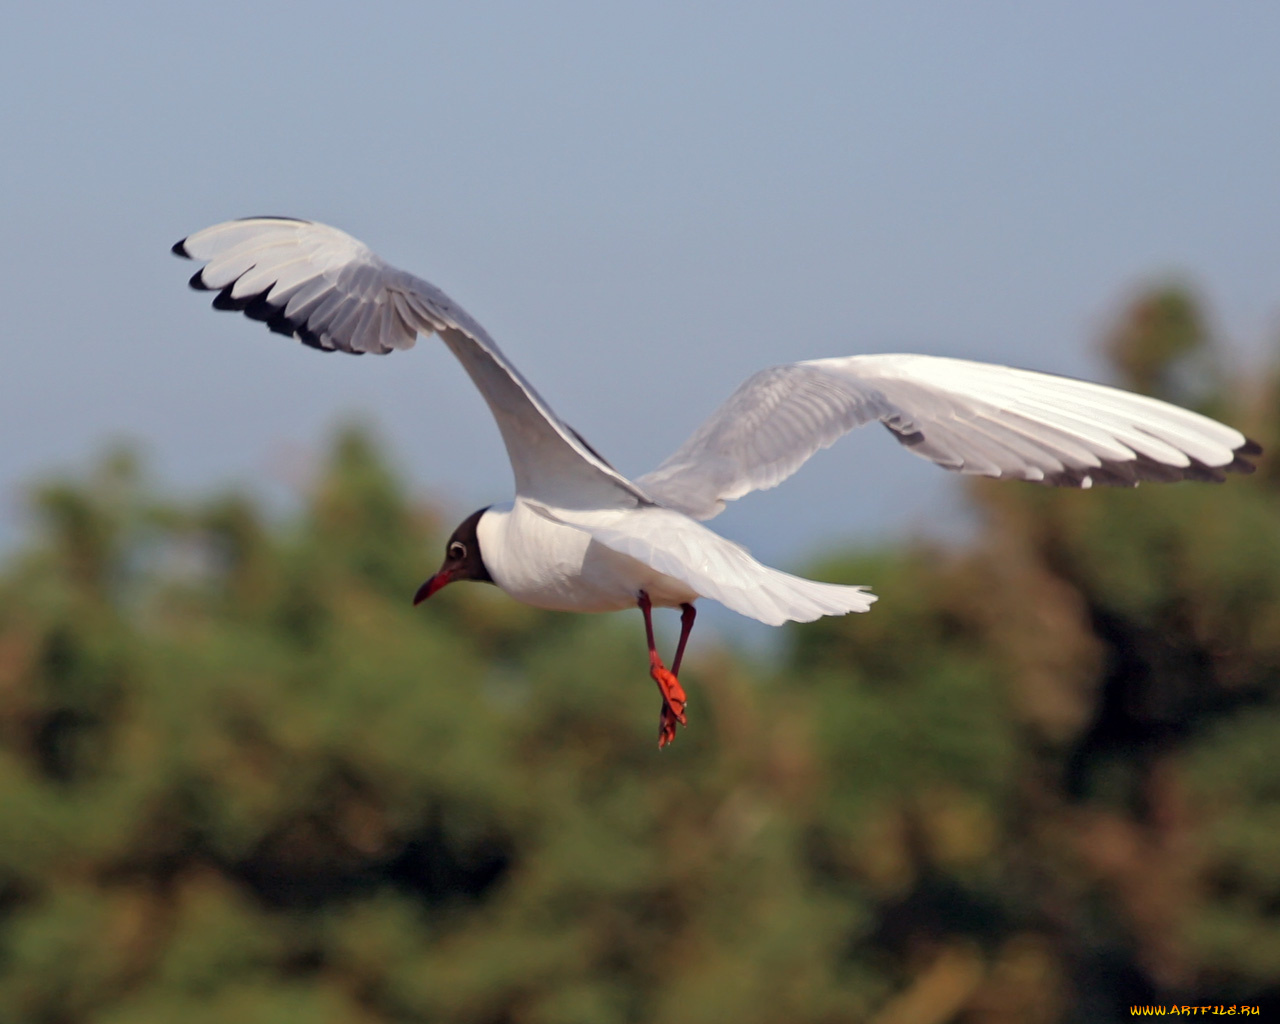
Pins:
x: 550, y: 565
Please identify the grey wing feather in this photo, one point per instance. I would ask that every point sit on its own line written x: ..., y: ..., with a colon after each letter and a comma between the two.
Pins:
x: 330, y: 291
x: 973, y: 418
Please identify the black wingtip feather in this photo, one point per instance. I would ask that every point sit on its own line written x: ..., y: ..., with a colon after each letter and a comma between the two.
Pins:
x: 225, y: 301
x: 281, y: 324
x: 309, y: 338
x: 197, y: 282
x: 258, y: 308
x: 179, y: 248
x: 1142, y: 469
x: 1241, y: 464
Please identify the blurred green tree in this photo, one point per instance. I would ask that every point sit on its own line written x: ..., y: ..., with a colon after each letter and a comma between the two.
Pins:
x: 242, y: 778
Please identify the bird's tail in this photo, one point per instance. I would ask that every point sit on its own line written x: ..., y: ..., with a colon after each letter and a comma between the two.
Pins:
x: 779, y: 597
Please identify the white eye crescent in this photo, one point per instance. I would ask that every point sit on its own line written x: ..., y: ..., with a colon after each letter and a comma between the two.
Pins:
x: 457, y: 550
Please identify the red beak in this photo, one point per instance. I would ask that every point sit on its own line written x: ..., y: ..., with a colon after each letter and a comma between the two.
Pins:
x: 431, y: 586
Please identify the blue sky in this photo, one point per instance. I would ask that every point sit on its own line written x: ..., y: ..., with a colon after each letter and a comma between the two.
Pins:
x: 643, y: 203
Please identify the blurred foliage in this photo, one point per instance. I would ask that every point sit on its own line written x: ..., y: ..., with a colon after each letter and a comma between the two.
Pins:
x: 241, y: 778
x: 1162, y: 346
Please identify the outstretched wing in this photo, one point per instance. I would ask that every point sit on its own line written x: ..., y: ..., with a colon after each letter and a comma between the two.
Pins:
x: 323, y: 287
x: 974, y: 418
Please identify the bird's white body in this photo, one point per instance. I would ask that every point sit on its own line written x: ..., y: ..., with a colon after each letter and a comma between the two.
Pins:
x: 548, y: 564
x: 600, y: 560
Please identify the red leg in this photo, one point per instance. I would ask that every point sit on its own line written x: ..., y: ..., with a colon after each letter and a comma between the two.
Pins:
x: 687, y: 614
x: 673, y: 695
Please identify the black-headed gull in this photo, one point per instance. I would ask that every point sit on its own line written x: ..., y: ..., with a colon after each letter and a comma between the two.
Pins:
x: 580, y: 536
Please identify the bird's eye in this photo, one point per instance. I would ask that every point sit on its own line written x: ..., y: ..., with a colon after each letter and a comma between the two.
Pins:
x: 457, y: 550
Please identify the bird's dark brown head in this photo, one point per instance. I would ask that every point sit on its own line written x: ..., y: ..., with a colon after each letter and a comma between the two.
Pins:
x: 462, y: 559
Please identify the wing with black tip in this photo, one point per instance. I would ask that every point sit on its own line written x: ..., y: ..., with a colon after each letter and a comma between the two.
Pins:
x: 323, y: 287
x: 974, y: 418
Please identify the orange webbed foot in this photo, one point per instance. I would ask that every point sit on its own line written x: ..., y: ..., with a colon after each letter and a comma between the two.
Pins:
x: 673, y: 701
